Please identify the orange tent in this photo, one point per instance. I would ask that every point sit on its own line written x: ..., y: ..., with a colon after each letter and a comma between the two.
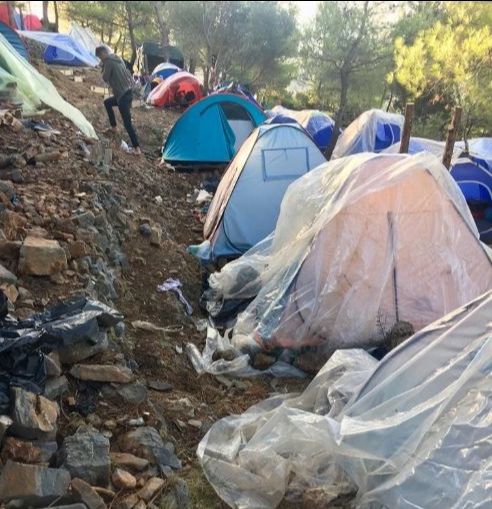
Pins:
x: 182, y: 88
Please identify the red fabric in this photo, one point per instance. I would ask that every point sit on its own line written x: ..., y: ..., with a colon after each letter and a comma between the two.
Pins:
x: 32, y: 22
x: 169, y: 91
x: 5, y: 17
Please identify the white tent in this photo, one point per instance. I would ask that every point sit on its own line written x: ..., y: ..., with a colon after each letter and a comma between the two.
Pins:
x: 246, y: 205
x: 85, y: 37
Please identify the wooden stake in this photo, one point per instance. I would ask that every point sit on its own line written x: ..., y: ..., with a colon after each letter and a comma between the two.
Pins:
x: 407, y: 129
x: 451, y: 137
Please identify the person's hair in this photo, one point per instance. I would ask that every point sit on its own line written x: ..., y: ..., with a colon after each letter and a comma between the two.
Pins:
x: 101, y: 50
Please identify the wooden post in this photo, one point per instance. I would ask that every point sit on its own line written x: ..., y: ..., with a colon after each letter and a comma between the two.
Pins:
x: 407, y: 129
x: 451, y: 137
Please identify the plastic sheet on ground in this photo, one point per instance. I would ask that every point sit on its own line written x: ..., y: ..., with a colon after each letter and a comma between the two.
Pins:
x: 36, y: 90
x: 412, y: 432
x: 24, y: 343
x: 239, y: 366
x: 362, y: 244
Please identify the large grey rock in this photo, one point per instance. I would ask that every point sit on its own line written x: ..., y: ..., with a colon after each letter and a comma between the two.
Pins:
x: 178, y: 498
x: 83, y: 350
x: 6, y: 277
x: 56, y: 387
x: 146, y: 443
x: 84, y: 219
x: 102, y: 373
x: 133, y: 394
x: 86, y: 455
x: 34, y: 416
x: 32, y: 484
x: 127, y: 460
x: 41, y: 257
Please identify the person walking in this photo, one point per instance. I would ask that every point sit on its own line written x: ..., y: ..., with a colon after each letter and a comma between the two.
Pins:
x: 117, y: 76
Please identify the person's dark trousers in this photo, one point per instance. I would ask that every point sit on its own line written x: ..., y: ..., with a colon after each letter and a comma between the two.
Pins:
x: 124, y: 105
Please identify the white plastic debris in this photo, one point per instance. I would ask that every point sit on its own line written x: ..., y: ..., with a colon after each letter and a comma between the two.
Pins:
x: 124, y: 146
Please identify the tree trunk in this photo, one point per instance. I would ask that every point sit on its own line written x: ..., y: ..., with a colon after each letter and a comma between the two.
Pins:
x: 192, y: 66
x: 344, y: 85
x: 206, y: 76
x: 57, y: 16
x: 131, y: 31
x: 163, y: 28
x: 46, y: 22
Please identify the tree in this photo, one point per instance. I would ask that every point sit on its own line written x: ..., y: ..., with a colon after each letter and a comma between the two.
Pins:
x: 163, y: 28
x: 131, y: 30
x: 346, y: 38
x: 450, y: 63
x: 46, y: 22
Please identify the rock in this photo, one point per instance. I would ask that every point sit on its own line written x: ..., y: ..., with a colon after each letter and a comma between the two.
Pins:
x: 263, y: 361
x: 136, y: 422
x: 41, y: 257
x: 7, y: 188
x: 11, y: 292
x: 145, y: 230
x: 155, y: 236
x: 86, y: 455
x: 140, y: 505
x: 70, y: 506
x: 5, y: 423
x: 195, y: 423
x: 10, y: 249
x: 128, y: 502
x: 85, y: 219
x: 34, y: 416
x: 146, y: 442
x: 27, y: 451
x: 133, y: 394
x: 310, y: 362
x: 152, y: 486
x: 12, y: 224
x: 83, y: 350
x: 56, y: 387
x: 32, y: 484
x: 110, y: 424
x: 94, y: 420
x: 123, y: 480
x: 126, y: 460
x: 158, y: 385
x: 52, y: 364
x: 179, y: 498
x: 106, y: 494
x: 147, y: 326
x: 102, y: 373
x: 79, y: 249
x: 6, y: 277
x: 37, y: 231
x: 87, y: 494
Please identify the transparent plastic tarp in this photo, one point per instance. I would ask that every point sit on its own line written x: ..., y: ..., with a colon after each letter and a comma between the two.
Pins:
x: 362, y: 243
x: 372, y: 131
x: 412, y: 432
x: 85, y: 37
x: 36, y: 90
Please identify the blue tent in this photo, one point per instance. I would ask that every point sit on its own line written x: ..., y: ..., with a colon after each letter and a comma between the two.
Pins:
x: 373, y: 131
x: 318, y: 124
x: 268, y: 162
x: 62, y: 49
x: 165, y: 70
x: 14, y: 40
x: 212, y: 130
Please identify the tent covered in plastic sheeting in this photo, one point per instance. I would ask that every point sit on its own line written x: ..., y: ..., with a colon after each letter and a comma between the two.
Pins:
x: 417, y: 145
x: 318, y: 124
x: 410, y: 432
x: 85, y: 37
x: 266, y: 164
x: 36, y: 90
x: 62, y: 49
x: 373, y: 131
x: 361, y: 244
x: 14, y: 39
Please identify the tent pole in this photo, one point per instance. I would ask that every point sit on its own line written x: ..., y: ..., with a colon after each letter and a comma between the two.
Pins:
x: 451, y: 137
x: 407, y: 129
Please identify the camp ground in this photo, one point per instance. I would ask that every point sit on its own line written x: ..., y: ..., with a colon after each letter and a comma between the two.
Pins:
x: 245, y: 255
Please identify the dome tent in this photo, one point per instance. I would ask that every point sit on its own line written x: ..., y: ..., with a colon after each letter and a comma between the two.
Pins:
x: 373, y: 131
x: 165, y: 70
x: 14, y: 40
x: 168, y: 91
x: 212, y: 130
x: 361, y: 243
x: 269, y: 160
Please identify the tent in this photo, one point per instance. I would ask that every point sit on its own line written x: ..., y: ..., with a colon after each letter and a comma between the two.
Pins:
x: 151, y: 54
x: 84, y: 37
x: 373, y: 131
x: 410, y: 432
x: 269, y: 160
x: 180, y: 88
x: 61, y: 49
x: 362, y: 243
x: 318, y: 124
x: 31, y: 22
x: 14, y: 40
x: 35, y: 90
x: 8, y: 15
x: 232, y: 87
x: 212, y: 130
x: 165, y: 70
